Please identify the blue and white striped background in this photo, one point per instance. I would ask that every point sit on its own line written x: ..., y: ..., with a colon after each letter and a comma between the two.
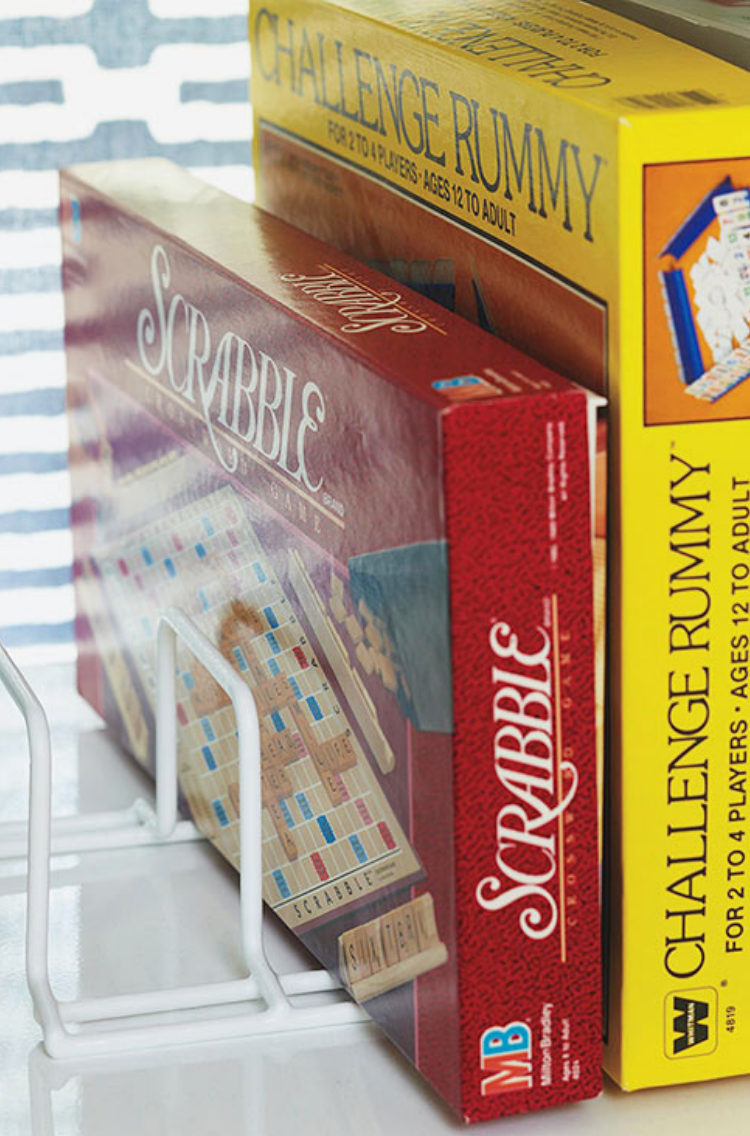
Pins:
x: 85, y: 80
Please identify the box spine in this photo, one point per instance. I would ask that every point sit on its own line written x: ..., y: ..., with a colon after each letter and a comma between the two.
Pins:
x: 525, y: 797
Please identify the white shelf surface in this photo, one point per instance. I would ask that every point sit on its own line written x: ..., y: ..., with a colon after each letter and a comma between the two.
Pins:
x: 150, y: 918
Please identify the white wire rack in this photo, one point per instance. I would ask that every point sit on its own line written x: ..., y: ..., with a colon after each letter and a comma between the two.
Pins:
x: 136, y: 826
x: 111, y: 1025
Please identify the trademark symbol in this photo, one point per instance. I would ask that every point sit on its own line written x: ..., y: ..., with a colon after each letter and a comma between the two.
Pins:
x: 724, y: 982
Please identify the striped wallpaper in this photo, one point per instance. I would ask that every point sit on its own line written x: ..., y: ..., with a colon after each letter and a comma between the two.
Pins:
x: 85, y: 80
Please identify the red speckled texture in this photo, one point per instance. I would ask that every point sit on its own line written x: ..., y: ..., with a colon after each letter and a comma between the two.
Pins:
x: 497, y: 494
x: 436, y: 1001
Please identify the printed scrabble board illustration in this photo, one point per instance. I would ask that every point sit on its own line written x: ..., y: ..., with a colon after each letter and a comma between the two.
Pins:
x: 581, y: 183
x: 316, y: 779
x: 382, y: 517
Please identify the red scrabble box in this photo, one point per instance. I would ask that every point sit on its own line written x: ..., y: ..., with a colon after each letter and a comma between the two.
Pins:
x: 383, y: 517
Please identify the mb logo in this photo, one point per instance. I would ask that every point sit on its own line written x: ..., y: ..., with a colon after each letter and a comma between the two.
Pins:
x: 505, y: 1054
x: 690, y: 1022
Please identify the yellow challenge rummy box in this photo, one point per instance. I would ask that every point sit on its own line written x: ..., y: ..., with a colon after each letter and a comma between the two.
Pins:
x: 580, y: 185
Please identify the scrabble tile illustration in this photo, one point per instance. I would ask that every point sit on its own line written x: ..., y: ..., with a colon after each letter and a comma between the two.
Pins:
x: 393, y: 949
x: 325, y: 818
x: 337, y: 653
x: 388, y: 625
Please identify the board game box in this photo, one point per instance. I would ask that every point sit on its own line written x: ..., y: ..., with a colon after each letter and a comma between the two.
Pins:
x: 578, y: 184
x: 383, y: 518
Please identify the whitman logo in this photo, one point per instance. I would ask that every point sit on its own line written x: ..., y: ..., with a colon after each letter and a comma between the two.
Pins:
x: 690, y: 1018
x: 505, y: 1056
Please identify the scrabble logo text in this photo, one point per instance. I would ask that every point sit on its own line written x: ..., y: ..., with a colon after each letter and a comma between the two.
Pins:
x: 505, y: 1059
x: 362, y: 307
x: 541, y: 785
x: 247, y: 398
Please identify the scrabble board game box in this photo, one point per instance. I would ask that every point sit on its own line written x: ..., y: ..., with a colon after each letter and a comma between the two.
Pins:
x: 579, y: 184
x: 382, y: 517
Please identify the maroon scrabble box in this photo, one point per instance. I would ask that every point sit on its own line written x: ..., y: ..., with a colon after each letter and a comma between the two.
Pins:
x: 382, y: 516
